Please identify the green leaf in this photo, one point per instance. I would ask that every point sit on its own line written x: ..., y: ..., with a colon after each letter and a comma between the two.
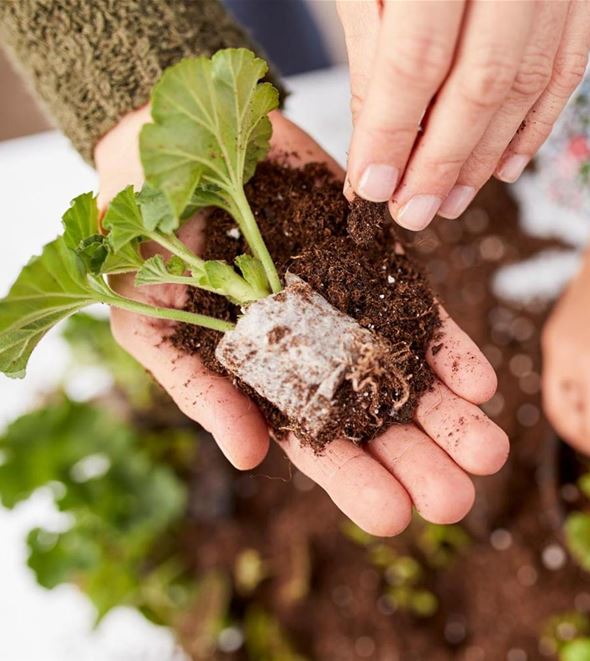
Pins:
x: 81, y: 235
x: 93, y: 253
x: 123, y: 220
x: 211, y: 127
x: 156, y: 210
x: 176, y: 266
x: 253, y: 273
x: 127, y: 259
x: 441, y: 544
x: 156, y: 271
x: 577, y: 534
x: 81, y: 232
x: 221, y: 277
x: 80, y: 221
x: 50, y: 287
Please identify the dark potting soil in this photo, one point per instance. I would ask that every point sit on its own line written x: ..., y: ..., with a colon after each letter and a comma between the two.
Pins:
x: 352, y: 257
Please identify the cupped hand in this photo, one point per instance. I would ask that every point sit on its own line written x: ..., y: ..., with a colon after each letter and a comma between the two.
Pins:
x: 446, y: 94
x: 566, y: 363
x: 425, y: 464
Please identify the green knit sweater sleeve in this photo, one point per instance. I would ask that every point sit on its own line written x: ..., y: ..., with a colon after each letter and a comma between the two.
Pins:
x: 92, y: 61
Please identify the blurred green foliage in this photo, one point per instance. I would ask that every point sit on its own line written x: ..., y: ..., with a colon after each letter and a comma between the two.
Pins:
x: 120, y: 502
x: 119, y: 469
x: 265, y: 639
x: 576, y: 650
x: 577, y: 529
x: 577, y: 534
x: 567, y: 635
x: 405, y: 576
x: 441, y: 544
x: 91, y: 343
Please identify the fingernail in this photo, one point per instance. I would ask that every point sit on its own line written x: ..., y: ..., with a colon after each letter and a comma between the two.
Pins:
x: 457, y: 201
x: 418, y: 212
x: 378, y: 182
x: 512, y: 168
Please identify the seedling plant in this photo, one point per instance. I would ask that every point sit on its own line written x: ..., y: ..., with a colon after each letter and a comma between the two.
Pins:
x: 209, y: 131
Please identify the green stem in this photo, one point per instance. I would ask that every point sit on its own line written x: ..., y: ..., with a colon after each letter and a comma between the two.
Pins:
x: 249, y: 227
x: 168, y: 313
x: 174, y: 245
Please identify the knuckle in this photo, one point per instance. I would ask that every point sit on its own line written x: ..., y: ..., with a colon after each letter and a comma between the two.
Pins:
x: 419, y: 59
x: 533, y: 75
x: 480, y: 166
x: 488, y: 80
x: 568, y: 71
x: 443, y: 169
x: 386, y: 134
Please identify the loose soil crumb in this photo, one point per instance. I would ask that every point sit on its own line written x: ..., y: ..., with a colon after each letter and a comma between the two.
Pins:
x: 348, y: 254
x: 365, y: 219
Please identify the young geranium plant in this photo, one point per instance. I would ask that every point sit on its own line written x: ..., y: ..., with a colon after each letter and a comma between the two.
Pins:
x: 210, y: 128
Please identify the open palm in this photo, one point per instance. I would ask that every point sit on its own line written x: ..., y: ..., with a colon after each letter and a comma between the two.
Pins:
x: 425, y: 464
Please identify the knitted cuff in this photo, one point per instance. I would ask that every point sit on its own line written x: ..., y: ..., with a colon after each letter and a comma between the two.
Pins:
x: 93, y: 62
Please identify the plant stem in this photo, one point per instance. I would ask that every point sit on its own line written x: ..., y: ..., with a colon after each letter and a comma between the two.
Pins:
x: 168, y: 313
x: 173, y: 244
x: 243, y: 214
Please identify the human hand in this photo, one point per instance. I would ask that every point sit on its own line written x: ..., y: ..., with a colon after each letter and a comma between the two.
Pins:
x: 424, y: 464
x: 566, y: 363
x: 485, y: 80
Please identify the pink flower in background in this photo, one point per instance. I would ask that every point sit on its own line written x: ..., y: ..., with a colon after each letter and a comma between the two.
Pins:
x: 579, y: 147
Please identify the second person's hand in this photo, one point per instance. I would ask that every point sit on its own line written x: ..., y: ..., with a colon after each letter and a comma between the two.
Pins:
x: 446, y: 94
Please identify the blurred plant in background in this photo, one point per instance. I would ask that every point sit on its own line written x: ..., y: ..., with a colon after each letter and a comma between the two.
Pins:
x: 120, y: 486
x: 405, y: 575
x: 121, y: 470
x: 120, y: 501
x: 577, y: 528
x: 568, y: 634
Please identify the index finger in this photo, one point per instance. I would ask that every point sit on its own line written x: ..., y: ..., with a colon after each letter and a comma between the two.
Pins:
x: 414, y: 53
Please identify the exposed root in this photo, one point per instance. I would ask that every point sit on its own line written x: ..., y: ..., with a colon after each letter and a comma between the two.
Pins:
x: 376, y: 363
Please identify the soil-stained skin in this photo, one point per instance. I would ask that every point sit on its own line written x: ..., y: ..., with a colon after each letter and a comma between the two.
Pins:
x: 351, y: 256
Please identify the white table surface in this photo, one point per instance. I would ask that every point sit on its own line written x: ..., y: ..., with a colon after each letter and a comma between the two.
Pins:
x: 39, y: 175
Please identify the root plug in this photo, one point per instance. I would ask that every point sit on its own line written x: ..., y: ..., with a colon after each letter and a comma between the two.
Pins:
x: 297, y: 351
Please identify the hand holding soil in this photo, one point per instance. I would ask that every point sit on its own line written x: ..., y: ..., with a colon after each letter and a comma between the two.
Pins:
x: 424, y: 463
x: 447, y: 94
